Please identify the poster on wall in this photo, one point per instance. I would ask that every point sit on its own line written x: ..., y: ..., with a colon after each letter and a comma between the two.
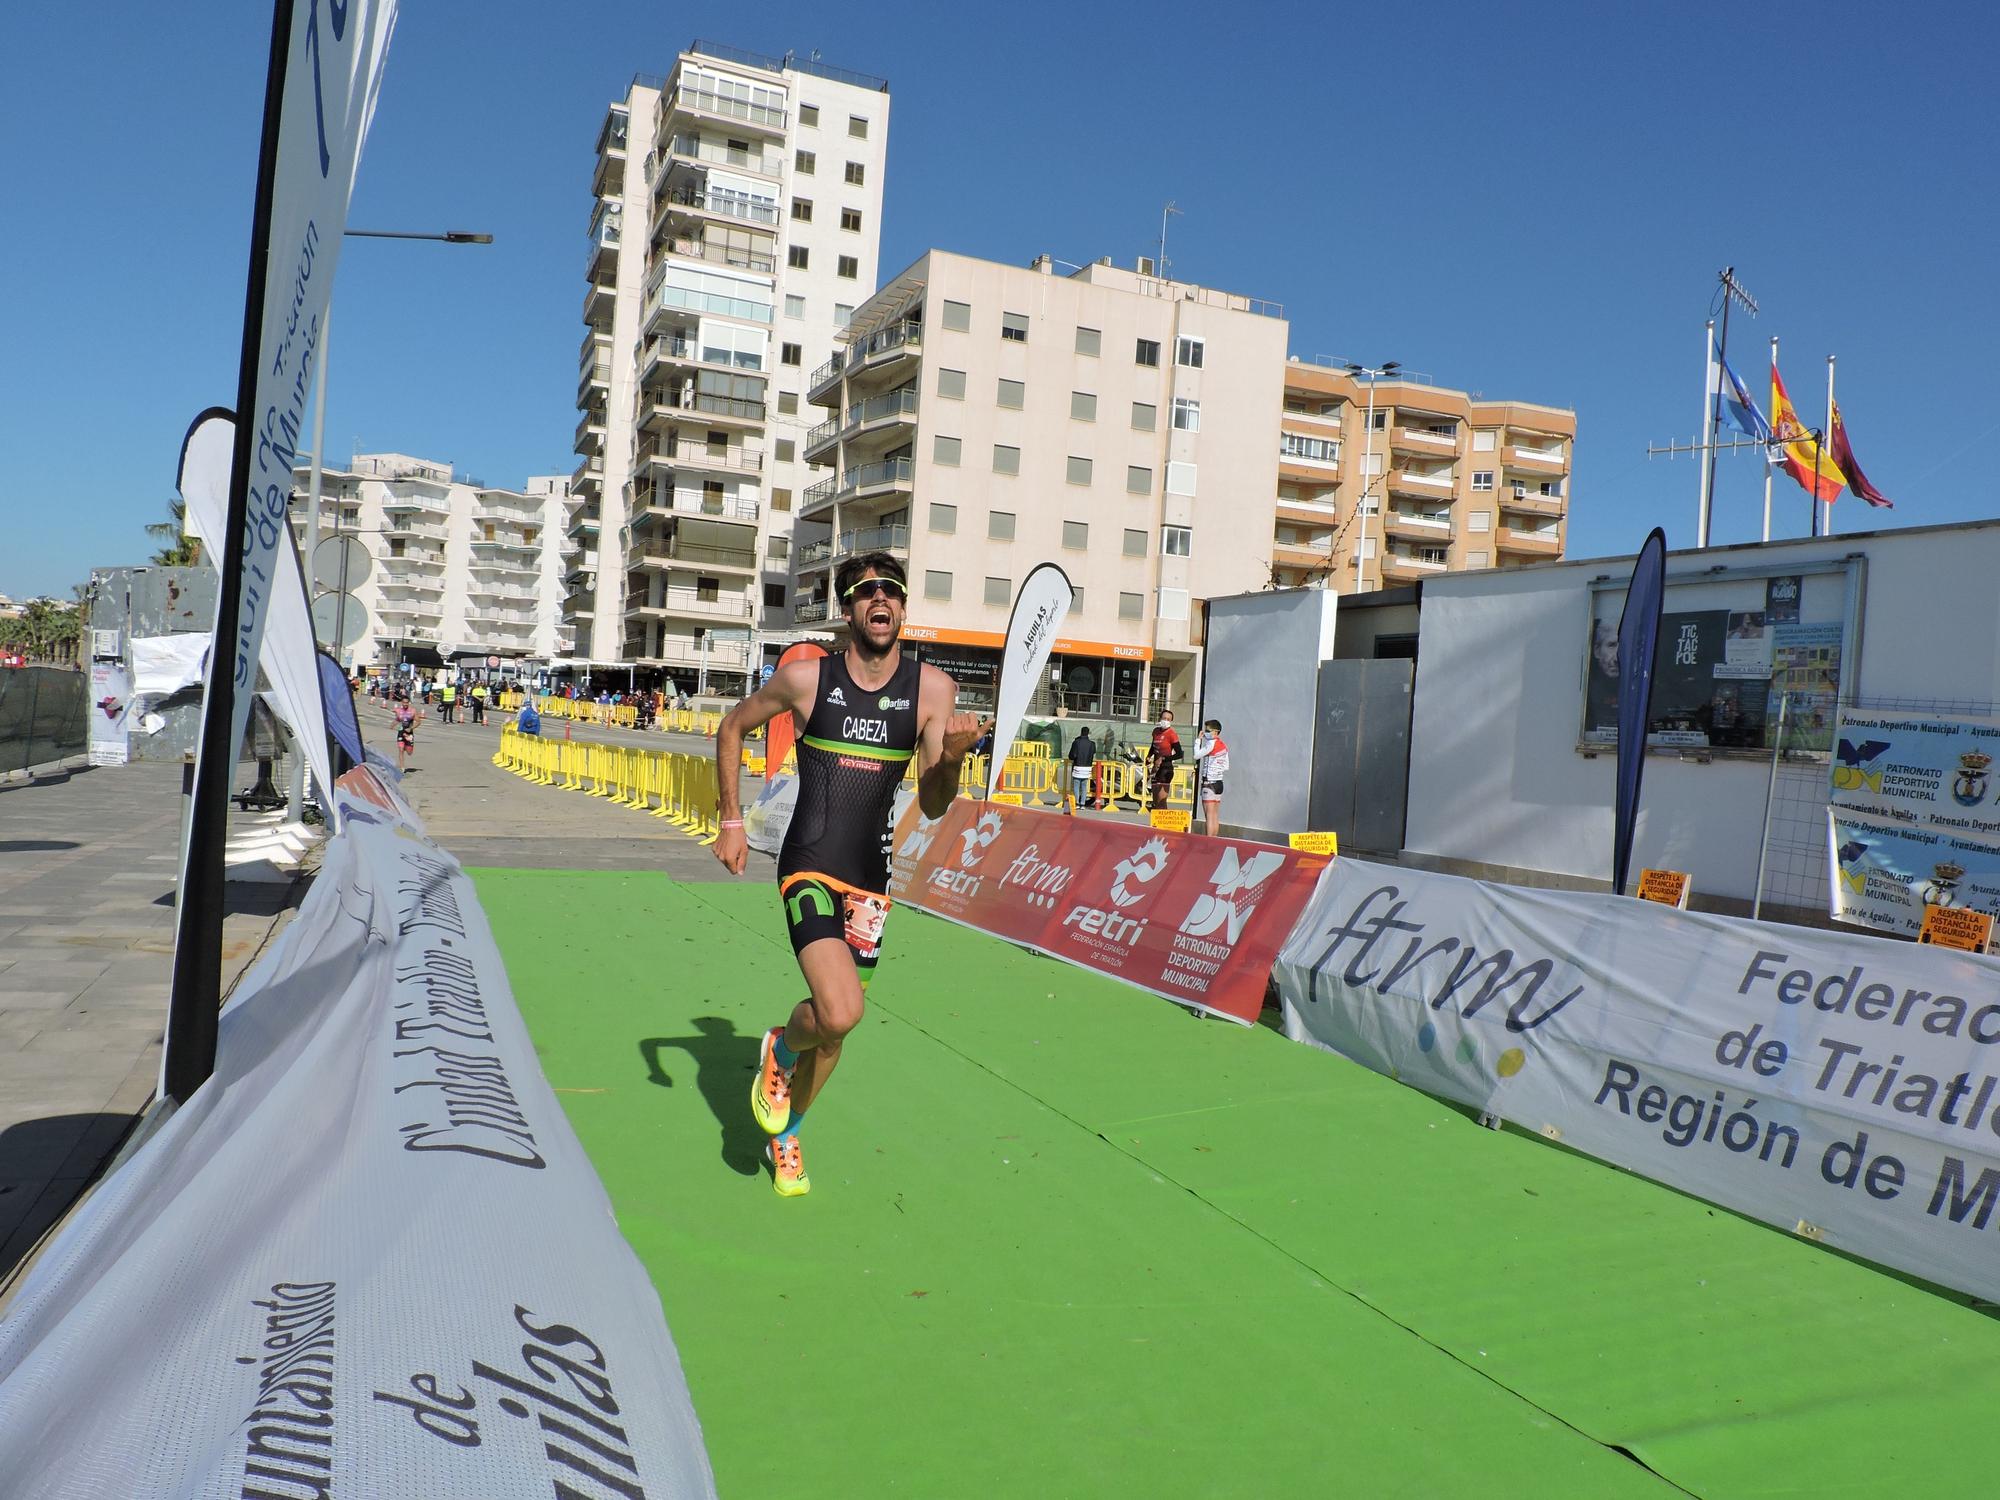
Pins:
x: 1918, y: 769
x: 1781, y: 599
x: 110, y: 703
x: 1805, y: 669
x: 1886, y: 873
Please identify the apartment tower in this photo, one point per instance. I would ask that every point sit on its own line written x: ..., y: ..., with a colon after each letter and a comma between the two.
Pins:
x: 735, y: 223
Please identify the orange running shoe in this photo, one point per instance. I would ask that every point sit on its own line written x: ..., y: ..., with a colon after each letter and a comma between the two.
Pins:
x: 771, y: 1093
x: 788, y: 1166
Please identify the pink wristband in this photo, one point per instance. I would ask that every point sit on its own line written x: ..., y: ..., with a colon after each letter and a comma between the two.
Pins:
x: 731, y: 823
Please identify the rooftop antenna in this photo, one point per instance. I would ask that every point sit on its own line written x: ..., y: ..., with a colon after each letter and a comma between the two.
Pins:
x: 1162, y: 263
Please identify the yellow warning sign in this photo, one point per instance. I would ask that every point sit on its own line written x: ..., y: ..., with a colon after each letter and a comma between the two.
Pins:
x: 1956, y: 927
x: 1008, y: 799
x: 1317, y: 843
x: 1668, y: 887
x: 1173, y: 819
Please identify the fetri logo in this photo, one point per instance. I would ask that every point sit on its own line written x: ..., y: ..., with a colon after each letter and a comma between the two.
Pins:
x: 973, y: 844
x: 1137, y: 869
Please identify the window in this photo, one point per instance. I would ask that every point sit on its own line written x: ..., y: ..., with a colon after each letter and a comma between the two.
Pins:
x: 843, y: 314
x: 999, y: 590
x: 796, y: 257
x: 804, y: 161
x: 1366, y: 547
x: 936, y: 585
x: 1180, y: 479
x: 1187, y: 414
x: 778, y: 548
x: 774, y: 595
x: 1006, y: 460
x: 1316, y: 450
x: 850, y: 220
x: 707, y: 588
x: 802, y: 210
x: 857, y: 174
x: 1135, y: 542
x: 848, y: 266
x: 1082, y: 406
x: 1145, y: 416
x: 1079, y: 470
x: 1476, y: 560
x: 951, y: 384
x: 1434, y: 554
x: 1131, y: 606
x: 857, y: 127
x: 795, y: 307
x: 1479, y: 520
x: 1482, y: 479
x: 781, y: 499
x: 1075, y: 600
x: 1485, y: 440
x: 957, y: 316
x: 1147, y: 353
x: 1076, y: 535
x: 1380, y: 423
x: 1014, y: 327
x: 1012, y: 395
x: 809, y: 114
x: 788, y: 403
x: 1000, y: 526
x: 945, y: 450
x: 790, y: 354
x: 786, y: 448
x: 944, y: 518
x: 1088, y: 341
x: 1188, y: 352
x: 1138, y: 481
x: 1176, y: 541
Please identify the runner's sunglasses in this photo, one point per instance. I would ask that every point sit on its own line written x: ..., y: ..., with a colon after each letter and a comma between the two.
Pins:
x: 868, y: 588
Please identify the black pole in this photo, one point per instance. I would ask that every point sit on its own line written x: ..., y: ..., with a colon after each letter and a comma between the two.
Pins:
x: 197, y: 984
x: 1715, y: 396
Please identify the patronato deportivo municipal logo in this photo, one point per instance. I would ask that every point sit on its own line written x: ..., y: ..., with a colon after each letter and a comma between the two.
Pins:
x: 1942, y: 888
x: 1139, y: 868
x: 1853, y: 874
x: 1236, y: 886
x: 1858, y: 765
x: 1968, y: 787
x: 920, y: 839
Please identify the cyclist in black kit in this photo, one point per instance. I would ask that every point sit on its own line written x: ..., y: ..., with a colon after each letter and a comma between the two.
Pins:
x: 861, y: 716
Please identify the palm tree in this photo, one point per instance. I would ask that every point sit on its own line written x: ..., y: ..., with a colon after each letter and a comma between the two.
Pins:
x: 182, y: 550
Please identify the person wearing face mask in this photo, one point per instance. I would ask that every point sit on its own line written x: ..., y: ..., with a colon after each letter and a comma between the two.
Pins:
x: 1161, y: 758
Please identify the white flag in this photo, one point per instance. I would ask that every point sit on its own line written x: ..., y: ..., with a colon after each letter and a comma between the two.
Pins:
x: 1039, y: 611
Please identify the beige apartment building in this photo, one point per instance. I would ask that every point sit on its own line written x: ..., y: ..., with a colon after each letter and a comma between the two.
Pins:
x: 982, y: 418
x: 736, y: 214
x: 1433, y: 481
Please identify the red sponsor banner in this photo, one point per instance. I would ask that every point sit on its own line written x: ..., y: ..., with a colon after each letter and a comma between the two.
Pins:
x: 1196, y: 919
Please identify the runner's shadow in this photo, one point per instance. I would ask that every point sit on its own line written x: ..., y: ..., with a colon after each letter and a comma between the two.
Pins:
x: 724, y: 1061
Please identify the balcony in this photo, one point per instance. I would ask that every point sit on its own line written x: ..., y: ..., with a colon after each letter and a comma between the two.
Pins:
x: 1423, y: 440
x: 409, y: 562
x: 692, y: 150
x: 825, y: 381
x: 583, y: 521
x: 821, y: 439
x: 403, y: 500
x: 587, y: 482
x: 690, y: 604
x: 687, y: 247
x: 1540, y: 460
x: 689, y: 100
x: 408, y: 589
x: 600, y: 298
x: 408, y: 609
x: 665, y: 504
x: 1419, y: 528
x: 887, y: 350
x: 702, y: 458
x: 416, y: 528
x: 487, y: 547
x: 1415, y: 482
x: 606, y: 230
x: 1528, y: 543
x: 674, y: 351
x: 889, y: 412
x: 685, y: 555
x: 1300, y: 555
x: 894, y: 539
x: 1403, y: 565
x: 686, y: 202
x: 887, y: 475
x: 662, y: 299
x: 811, y: 611
x: 502, y: 618
x: 684, y: 651
x: 1528, y: 502
x: 700, y: 407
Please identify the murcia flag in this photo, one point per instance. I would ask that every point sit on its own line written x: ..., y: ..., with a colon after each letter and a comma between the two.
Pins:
x: 1813, y: 467
x: 1843, y: 455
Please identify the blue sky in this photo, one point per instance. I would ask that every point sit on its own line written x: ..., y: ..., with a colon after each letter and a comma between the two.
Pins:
x: 1526, y: 200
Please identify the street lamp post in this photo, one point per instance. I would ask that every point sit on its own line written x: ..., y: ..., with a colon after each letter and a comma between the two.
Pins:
x: 1367, y: 464
x: 447, y: 237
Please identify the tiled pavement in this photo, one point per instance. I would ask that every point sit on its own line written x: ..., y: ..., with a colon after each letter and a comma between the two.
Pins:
x: 87, y: 870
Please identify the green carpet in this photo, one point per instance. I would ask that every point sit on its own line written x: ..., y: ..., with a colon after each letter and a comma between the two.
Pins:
x: 1064, y: 1239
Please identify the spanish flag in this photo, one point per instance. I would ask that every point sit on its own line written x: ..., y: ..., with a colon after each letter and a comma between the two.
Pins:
x: 1812, y: 466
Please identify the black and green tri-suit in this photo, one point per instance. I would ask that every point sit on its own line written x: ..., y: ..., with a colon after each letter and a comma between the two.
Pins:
x: 833, y: 870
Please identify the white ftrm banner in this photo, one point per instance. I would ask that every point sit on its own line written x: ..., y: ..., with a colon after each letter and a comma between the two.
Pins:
x: 1845, y: 1088
x: 368, y: 1257
x: 1039, y: 611
x: 333, y: 73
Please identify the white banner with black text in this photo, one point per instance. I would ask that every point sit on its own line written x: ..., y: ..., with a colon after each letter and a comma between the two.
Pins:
x: 367, y: 1257
x: 1843, y: 1087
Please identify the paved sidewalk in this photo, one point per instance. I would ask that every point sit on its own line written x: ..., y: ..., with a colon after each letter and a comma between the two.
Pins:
x: 87, y: 871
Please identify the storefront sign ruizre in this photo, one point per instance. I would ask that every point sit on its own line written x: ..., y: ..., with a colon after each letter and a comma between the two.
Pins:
x: 946, y: 636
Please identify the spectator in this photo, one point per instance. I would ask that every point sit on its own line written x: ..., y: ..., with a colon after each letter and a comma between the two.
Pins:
x: 1160, y: 758
x: 1082, y: 760
x: 1211, y: 757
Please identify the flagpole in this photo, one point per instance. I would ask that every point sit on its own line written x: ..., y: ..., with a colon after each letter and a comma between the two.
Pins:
x: 188, y: 1054
x: 1826, y: 438
x: 1709, y: 378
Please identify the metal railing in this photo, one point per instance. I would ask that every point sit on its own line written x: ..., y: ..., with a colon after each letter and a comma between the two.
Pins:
x: 714, y: 406
x: 824, y: 373
x: 695, y: 503
x: 657, y: 556
x: 692, y: 602
x: 899, y: 402
x: 873, y: 539
x: 810, y: 610
x: 742, y: 460
x: 721, y: 255
x: 679, y: 347
x: 886, y: 471
x: 728, y: 205
x: 825, y: 490
x: 789, y: 63
x: 824, y: 432
x: 895, y: 336
x: 694, y: 148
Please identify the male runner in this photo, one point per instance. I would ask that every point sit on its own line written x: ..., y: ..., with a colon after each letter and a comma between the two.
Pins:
x: 861, y: 715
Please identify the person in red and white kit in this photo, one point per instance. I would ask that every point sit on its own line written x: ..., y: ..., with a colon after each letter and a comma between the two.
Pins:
x: 1211, y: 758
